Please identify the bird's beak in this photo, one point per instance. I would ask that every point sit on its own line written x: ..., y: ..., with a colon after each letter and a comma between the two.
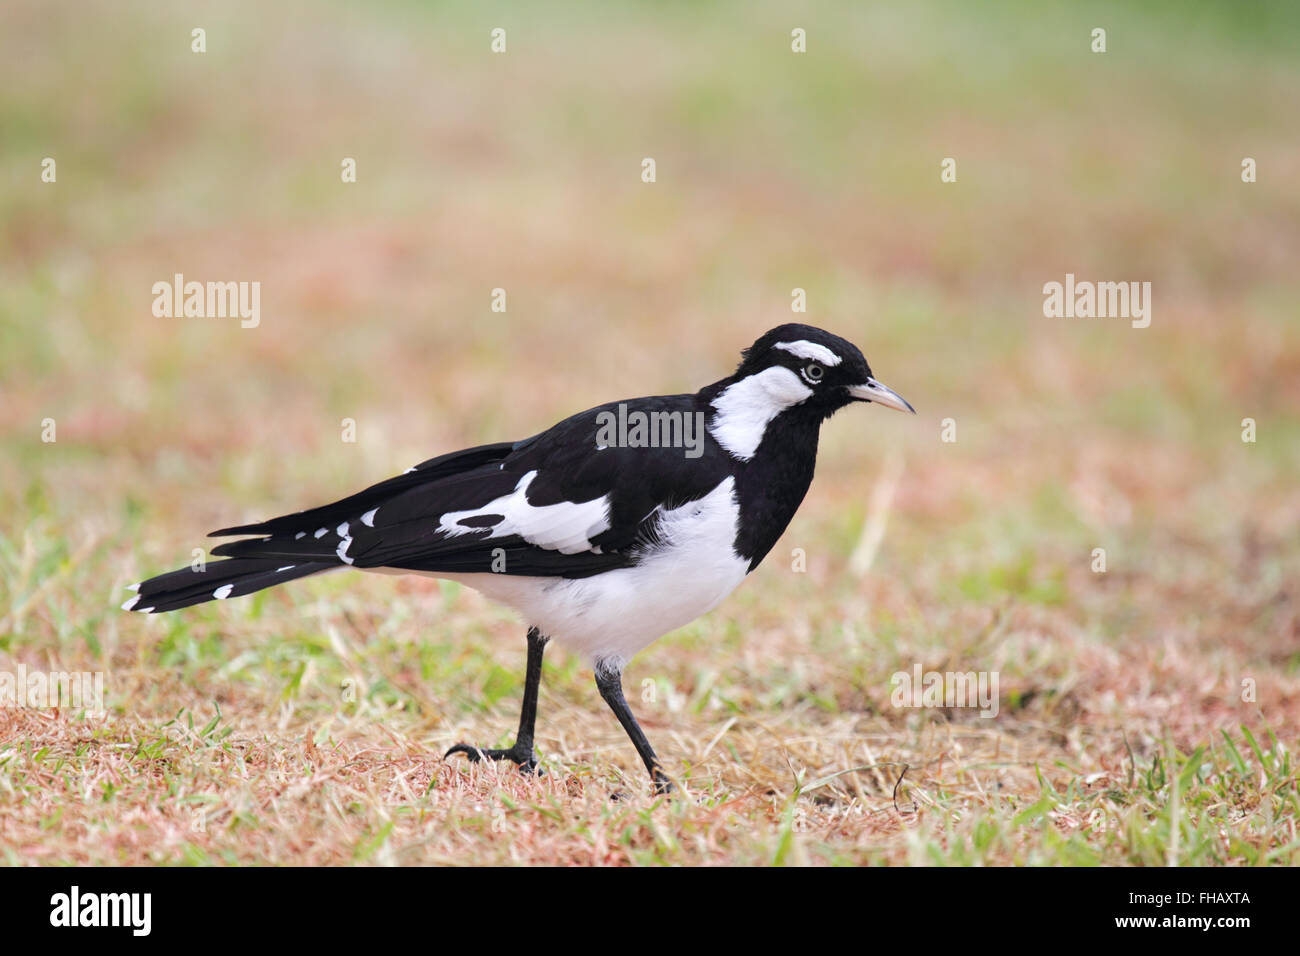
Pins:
x: 873, y: 391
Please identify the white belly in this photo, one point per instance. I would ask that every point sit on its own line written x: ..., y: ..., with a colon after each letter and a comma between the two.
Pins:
x: 609, y: 617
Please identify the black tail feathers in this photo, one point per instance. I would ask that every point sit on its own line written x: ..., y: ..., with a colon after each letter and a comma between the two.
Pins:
x: 216, y: 581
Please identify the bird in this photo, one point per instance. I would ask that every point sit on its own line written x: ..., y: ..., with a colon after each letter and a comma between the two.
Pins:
x: 604, y: 532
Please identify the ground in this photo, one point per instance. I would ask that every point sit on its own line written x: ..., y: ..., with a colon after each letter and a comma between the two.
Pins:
x: 1147, y: 712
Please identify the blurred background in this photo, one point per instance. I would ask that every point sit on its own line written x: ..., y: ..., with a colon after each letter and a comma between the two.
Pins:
x: 521, y: 171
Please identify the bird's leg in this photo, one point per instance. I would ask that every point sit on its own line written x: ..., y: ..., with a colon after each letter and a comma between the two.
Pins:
x: 522, y: 752
x: 610, y: 683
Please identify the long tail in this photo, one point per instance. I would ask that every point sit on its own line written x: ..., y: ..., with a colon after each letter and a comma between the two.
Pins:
x: 218, y: 580
x: 296, y: 545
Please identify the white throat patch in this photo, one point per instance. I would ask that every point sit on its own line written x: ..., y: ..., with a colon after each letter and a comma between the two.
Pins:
x: 745, y: 408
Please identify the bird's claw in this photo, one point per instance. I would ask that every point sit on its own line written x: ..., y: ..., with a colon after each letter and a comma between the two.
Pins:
x: 526, y: 761
x: 663, y: 787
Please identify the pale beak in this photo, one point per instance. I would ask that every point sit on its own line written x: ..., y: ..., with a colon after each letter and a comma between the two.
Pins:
x: 873, y: 391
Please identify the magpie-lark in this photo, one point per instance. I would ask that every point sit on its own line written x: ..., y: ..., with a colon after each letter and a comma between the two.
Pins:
x: 603, y: 546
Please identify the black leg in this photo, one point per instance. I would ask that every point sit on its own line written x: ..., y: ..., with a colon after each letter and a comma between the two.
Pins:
x: 610, y: 683
x: 522, y: 752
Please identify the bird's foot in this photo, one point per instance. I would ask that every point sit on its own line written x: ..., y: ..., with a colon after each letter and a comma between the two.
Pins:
x: 524, y: 759
x: 663, y: 787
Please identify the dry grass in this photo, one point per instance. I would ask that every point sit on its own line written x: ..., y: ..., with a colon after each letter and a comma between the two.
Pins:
x: 305, y: 725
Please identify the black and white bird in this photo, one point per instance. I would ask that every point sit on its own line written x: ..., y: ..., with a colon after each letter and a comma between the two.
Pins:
x: 601, y: 534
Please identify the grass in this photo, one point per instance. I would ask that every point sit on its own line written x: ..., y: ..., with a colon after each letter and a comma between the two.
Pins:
x: 1147, y: 714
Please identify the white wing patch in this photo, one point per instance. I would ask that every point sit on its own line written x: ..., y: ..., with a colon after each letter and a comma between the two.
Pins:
x: 342, y: 549
x: 810, y: 350
x: 745, y: 408
x: 566, y: 526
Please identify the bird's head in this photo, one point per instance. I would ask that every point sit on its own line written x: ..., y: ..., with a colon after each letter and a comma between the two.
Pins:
x: 803, y: 365
x: 793, y: 376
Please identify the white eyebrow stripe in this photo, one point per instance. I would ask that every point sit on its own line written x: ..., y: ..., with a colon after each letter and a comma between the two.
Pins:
x: 810, y: 350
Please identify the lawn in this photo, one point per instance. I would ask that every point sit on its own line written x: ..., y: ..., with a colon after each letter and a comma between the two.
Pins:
x: 1147, y: 713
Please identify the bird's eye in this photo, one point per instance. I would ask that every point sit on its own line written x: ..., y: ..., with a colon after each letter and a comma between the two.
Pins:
x: 813, y: 372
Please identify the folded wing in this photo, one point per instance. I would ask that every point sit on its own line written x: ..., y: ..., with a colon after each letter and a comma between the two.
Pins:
x: 556, y: 504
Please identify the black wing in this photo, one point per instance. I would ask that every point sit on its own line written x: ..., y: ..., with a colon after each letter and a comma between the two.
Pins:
x: 552, y: 505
